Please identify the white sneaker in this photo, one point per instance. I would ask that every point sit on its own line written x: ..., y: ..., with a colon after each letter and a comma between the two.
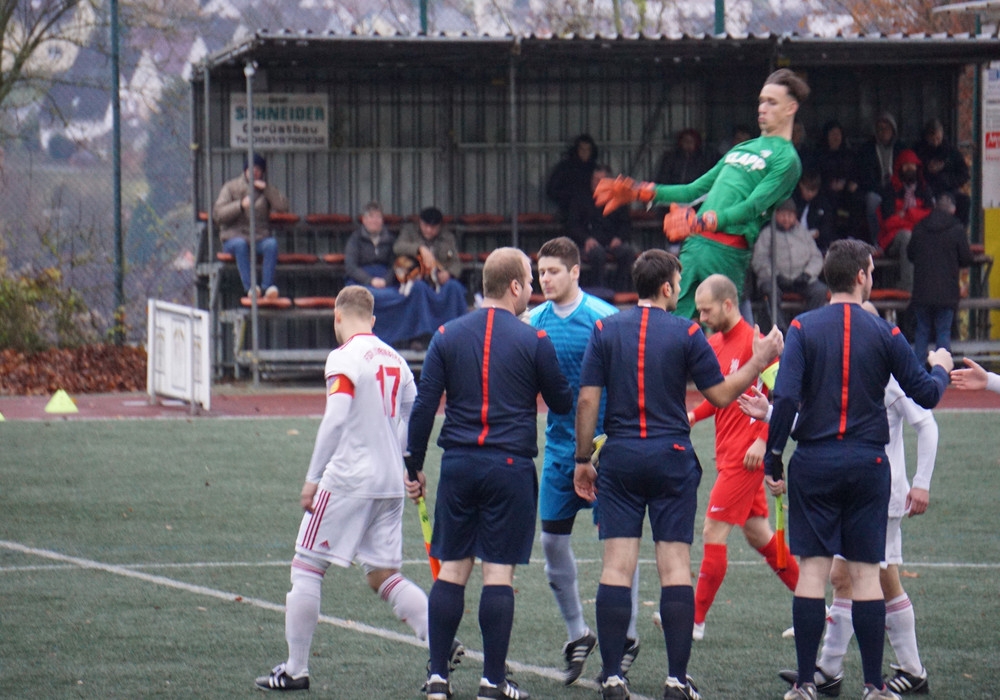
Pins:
x: 698, y: 632
x: 788, y: 633
x: 271, y: 293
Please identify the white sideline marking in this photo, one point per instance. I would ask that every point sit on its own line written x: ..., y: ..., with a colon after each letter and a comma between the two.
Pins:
x: 423, y: 562
x: 129, y: 572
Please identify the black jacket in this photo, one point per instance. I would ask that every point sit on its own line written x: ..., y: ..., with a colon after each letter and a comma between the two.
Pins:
x: 938, y: 249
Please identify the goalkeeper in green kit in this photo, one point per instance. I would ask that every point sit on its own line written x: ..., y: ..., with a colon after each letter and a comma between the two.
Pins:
x: 740, y: 192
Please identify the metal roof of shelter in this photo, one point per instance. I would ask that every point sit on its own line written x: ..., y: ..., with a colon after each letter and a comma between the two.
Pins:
x: 330, y: 51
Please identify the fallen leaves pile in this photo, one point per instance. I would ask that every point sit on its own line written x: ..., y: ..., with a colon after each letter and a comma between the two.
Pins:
x: 91, y: 369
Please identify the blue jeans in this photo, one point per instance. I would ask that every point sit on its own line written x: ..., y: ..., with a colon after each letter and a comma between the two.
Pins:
x: 936, y: 319
x: 267, y: 251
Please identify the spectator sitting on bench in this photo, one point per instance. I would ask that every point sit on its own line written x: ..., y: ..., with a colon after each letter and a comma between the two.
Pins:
x: 368, y: 253
x: 797, y: 262
x: 905, y: 202
x: 432, y: 247
x: 597, y: 235
x: 231, y: 213
x: 400, y: 319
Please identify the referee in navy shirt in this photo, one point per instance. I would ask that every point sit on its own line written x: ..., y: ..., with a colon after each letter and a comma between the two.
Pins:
x: 491, y: 366
x: 833, y: 372
x: 642, y: 358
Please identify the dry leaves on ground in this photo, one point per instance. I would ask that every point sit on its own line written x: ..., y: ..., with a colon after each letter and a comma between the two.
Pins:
x: 92, y: 369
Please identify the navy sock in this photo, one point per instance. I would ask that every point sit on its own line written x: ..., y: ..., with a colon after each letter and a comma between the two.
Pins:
x: 868, y: 618
x: 677, y: 618
x: 809, y: 618
x: 614, y: 610
x: 445, y: 606
x: 496, y: 618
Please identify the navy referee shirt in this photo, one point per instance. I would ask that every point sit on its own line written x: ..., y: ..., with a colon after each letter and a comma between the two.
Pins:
x: 836, y: 363
x: 492, y: 366
x: 642, y: 357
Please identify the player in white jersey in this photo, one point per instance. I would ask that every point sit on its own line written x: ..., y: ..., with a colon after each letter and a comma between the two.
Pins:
x: 353, y: 493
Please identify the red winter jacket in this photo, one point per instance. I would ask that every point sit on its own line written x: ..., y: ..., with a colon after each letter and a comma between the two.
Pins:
x: 893, y: 217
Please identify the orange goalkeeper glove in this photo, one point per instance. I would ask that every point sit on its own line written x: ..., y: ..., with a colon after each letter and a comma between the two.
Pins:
x: 680, y: 222
x: 613, y: 193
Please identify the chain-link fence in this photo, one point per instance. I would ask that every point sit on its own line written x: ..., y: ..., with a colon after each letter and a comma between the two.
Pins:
x: 57, y: 221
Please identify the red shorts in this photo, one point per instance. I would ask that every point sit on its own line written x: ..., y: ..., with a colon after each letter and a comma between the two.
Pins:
x: 738, y: 494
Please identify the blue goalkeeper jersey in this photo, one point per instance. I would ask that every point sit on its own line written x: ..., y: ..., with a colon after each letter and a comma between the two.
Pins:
x: 570, y: 336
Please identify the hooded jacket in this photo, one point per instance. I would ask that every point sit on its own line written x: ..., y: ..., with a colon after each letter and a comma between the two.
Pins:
x: 894, y: 216
x: 938, y: 249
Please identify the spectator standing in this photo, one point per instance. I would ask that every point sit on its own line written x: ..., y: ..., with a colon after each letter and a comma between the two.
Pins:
x: 905, y: 202
x: 598, y: 236
x: 797, y: 262
x: 232, y: 214
x: 491, y: 366
x: 836, y: 364
x: 945, y: 168
x: 570, y: 179
x: 642, y: 358
x: 938, y: 249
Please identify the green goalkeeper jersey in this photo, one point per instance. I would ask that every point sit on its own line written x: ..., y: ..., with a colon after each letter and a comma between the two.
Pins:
x: 744, y: 186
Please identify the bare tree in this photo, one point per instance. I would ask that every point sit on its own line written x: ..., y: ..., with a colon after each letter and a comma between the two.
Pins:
x: 39, y: 39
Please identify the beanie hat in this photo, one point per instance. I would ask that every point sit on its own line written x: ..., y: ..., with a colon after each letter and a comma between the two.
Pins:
x: 431, y: 216
x: 258, y: 161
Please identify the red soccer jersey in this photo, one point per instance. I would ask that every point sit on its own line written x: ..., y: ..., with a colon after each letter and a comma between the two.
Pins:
x: 734, y: 430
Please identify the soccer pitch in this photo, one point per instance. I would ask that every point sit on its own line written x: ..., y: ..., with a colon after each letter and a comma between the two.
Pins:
x: 150, y: 558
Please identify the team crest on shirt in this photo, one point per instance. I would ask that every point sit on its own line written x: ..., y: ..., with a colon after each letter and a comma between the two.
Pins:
x: 734, y: 365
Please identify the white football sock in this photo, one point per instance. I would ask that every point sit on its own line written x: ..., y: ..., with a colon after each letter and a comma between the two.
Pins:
x: 900, y: 623
x: 839, y: 630
x: 408, y: 601
x: 632, y: 632
x: 301, y: 616
x: 560, y: 570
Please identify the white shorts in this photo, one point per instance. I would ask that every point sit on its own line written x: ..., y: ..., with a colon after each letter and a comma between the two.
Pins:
x: 893, y: 542
x: 342, y: 529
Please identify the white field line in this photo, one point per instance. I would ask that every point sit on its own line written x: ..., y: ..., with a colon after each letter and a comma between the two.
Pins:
x: 423, y: 562
x: 131, y: 572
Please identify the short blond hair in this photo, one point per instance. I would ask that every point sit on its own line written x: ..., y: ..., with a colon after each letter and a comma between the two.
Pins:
x: 356, y: 301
